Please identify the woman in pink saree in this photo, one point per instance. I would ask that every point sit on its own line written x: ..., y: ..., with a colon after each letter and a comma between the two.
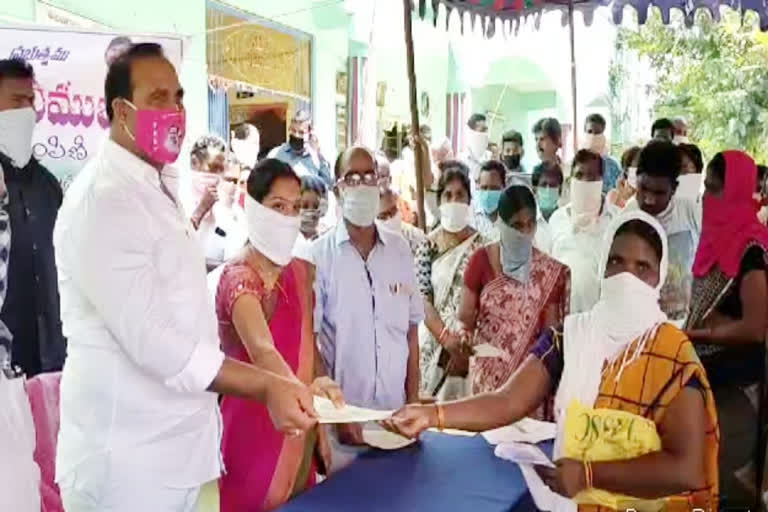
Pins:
x: 264, y: 304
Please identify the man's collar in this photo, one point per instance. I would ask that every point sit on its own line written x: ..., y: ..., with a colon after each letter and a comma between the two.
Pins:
x: 133, y: 166
x: 342, y: 234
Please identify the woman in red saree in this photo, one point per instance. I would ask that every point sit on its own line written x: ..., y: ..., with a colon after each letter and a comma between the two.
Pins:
x: 264, y: 304
x: 511, y: 292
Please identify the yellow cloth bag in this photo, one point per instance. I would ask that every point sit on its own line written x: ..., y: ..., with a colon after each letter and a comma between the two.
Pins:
x: 597, y: 435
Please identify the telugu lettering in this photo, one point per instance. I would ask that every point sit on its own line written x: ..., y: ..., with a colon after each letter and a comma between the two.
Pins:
x: 62, y: 108
x: 41, y: 54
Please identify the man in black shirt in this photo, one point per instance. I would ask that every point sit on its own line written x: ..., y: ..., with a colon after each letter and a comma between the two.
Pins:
x: 31, y: 308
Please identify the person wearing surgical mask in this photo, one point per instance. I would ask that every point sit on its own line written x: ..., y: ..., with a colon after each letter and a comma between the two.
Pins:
x: 368, y: 306
x: 313, y: 207
x: 547, y: 181
x: 440, y: 264
x: 616, y: 199
x: 145, y: 367
x: 596, y: 141
x: 475, y: 146
x: 490, y: 184
x: 691, y: 180
x: 263, y: 295
x: 390, y: 218
x: 302, y: 151
x: 512, y: 152
x: 30, y: 200
x: 577, y: 227
x: 658, y: 175
x: 680, y: 131
x: 511, y: 292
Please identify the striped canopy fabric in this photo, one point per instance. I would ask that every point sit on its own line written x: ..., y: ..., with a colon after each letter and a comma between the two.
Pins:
x: 511, y: 12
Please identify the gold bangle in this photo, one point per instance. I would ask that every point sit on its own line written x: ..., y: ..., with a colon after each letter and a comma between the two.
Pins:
x: 440, y: 417
x: 588, y: 475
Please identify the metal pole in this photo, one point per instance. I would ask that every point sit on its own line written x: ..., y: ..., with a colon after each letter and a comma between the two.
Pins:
x: 573, y: 75
x: 417, y: 151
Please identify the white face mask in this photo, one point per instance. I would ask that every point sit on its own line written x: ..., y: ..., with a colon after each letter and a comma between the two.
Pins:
x: 360, y: 204
x: 681, y: 139
x: 246, y: 151
x: 16, y: 127
x: 454, y: 216
x: 393, y: 223
x: 688, y: 186
x: 477, y: 142
x: 586, y: 197
x: 595, y: 142
x: 271, y: 233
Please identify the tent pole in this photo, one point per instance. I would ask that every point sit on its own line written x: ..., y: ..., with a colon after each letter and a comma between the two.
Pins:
x: 417, y: 150
x: 575, y: 120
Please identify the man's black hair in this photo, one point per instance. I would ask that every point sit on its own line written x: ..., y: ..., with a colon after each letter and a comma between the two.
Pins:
x: 16, y: 68
x: 243, y: 131
x: 585, y: 156
x: 498, y: 168
x: 476, y: 118
x: 596, y: 119
x: 549, y: 168
x: 662, y: 124
x: 660, y: 159
x: 550, y: 127
x: 119, y: 83
x: 512, y: 136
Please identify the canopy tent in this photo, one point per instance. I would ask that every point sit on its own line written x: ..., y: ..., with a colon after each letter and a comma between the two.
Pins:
x: 509, y: 14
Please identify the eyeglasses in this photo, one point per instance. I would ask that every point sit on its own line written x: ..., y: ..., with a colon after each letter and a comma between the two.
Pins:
x: 355, y: 179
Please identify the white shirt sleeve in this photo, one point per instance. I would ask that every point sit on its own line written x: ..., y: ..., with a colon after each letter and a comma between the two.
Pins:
x: 116, y: 269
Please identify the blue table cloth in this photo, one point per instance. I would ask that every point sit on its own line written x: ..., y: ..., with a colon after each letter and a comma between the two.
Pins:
x: 439, y: 473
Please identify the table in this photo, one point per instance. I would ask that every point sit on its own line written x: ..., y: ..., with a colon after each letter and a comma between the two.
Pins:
x: 440, y: 473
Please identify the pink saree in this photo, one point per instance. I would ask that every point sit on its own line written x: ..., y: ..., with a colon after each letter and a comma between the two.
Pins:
x: 264, y: 469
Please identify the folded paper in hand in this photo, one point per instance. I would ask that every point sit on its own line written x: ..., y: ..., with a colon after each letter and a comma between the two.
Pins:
x: 527, y: 430
x: 328, y: 413
x: 523, y: 453
x: 488, y: 350
x: 377, y: 437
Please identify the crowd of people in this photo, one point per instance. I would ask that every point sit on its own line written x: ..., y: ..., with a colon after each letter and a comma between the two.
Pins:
x: 204, y: 304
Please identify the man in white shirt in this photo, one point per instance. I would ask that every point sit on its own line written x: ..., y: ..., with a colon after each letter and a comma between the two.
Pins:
x: 577, y: 230
x: 658, y: 171
x: 140, y: 427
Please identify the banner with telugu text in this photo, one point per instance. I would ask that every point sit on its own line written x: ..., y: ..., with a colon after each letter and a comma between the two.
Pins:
x: 70, y: 67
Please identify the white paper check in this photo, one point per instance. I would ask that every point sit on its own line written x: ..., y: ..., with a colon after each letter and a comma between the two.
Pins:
x: 527, y: 430
x: 522, y: 453
x: 488, y: 350
x: 328, y: 413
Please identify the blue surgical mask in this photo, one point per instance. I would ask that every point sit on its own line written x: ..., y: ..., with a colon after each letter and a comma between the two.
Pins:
x: 516, y: 250
x: 488, y: 201
x: 547, y: 197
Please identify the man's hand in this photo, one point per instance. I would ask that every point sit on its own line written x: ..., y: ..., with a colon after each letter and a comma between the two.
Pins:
x: 210, y: 196
x: 290, y: 405
x: 324, y: 386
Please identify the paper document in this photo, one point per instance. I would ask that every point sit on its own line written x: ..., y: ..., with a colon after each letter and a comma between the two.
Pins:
x: 454, y: 432
x: 384, y: 440
x: 523, y: 453
x: 328, y: 413
x: 526, y: 430
x: 488, y: 350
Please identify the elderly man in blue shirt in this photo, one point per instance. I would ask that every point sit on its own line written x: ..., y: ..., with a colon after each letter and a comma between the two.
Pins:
x: 368, y: 305
x: 302, y: 151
